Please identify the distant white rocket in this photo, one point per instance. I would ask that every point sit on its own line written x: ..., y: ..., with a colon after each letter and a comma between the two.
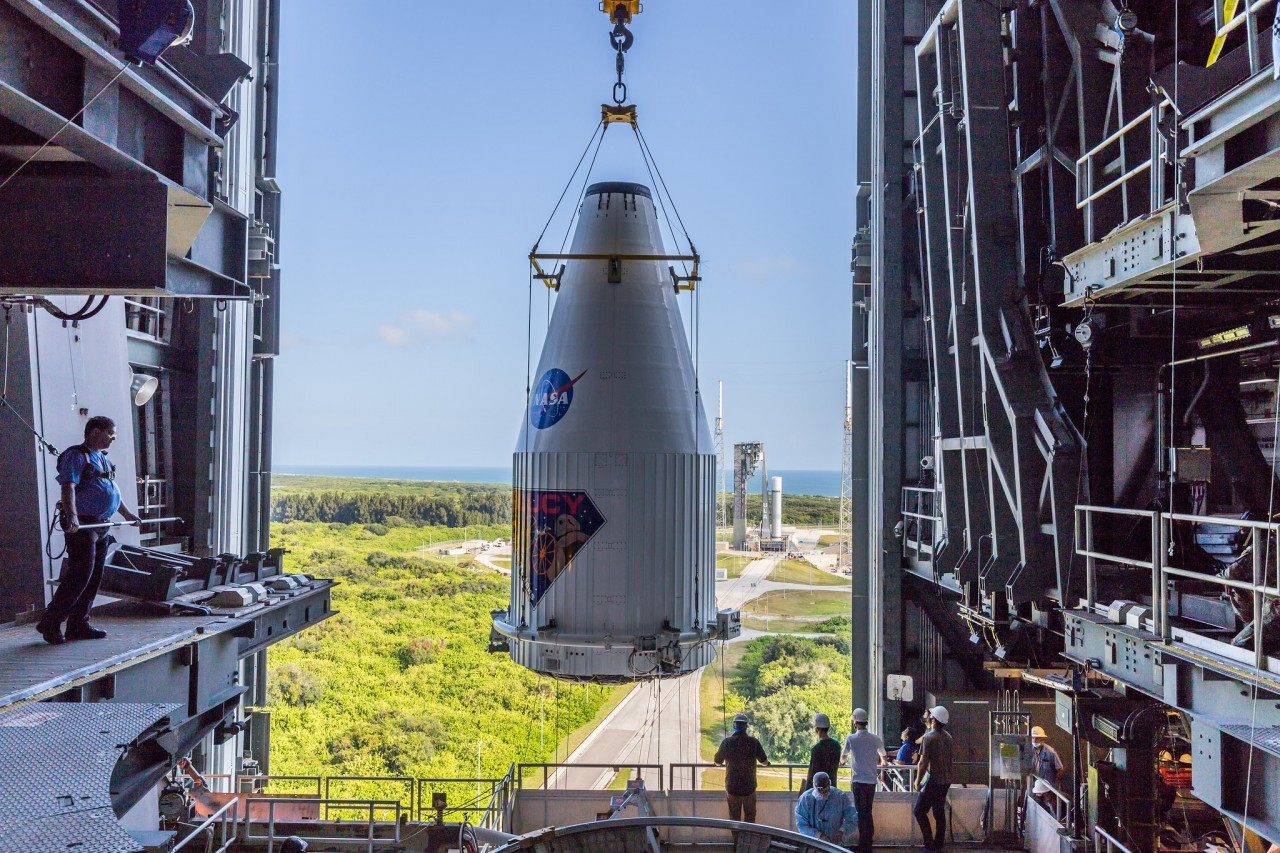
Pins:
x: 613, y: 559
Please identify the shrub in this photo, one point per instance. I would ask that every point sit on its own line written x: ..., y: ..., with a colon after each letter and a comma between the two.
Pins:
x: 294, y: 685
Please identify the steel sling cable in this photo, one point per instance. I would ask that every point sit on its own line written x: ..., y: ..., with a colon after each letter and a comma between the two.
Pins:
x: 65, y: 125
x: 568, y: 184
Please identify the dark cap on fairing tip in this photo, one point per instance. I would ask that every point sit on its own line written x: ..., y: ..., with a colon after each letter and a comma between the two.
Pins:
x: 626, y: 187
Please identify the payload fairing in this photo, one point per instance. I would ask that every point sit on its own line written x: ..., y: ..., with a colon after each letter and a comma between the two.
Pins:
x: 613, y: 559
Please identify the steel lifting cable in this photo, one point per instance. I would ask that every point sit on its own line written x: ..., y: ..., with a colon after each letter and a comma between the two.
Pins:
x: 65, y: 125
x: 4, y: 393
x: 569, y: 183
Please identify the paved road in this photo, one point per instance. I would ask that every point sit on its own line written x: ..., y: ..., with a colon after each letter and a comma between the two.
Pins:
x: 738, y: 591
x: 655, y: 724
x: 636, y: 731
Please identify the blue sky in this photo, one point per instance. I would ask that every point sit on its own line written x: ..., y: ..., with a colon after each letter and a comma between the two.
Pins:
x: 424, y: 144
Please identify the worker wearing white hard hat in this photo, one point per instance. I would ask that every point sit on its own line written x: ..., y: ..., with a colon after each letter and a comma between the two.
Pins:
x: 934, y: 779
x: 1046, y: 759
x: 824, y: 756
x: 865, y: 753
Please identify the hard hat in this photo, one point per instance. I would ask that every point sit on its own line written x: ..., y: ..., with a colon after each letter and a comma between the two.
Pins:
x: 1038, y: 731
x: 821, y: 721
x: 1185, y: 758
x: 293, y: 844
x: 859, y: 715
x: 1041, y: 787
x: 940, y: 714
x: 821, y: 780
x: 740, y: 719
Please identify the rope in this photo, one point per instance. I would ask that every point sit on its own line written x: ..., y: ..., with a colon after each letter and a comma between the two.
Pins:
x: 65, y: 125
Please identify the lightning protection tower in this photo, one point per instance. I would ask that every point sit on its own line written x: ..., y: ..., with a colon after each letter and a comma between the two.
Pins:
x: 722, y: 499
x: 845, y: 546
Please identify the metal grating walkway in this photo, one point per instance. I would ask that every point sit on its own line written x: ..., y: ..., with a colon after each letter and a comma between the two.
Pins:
x: 31, y: 668
x: 1263, y: 737
x: 55, y: 780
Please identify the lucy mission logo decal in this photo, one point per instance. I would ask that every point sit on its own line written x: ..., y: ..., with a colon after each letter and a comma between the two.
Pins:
x: 551, y: 398
x: 558, y: 524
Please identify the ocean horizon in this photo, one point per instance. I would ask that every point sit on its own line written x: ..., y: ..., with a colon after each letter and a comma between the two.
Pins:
x: 794, y: 482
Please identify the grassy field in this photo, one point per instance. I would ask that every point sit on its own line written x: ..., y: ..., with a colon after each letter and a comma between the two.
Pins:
x: 790, y: 604
x: 733, y: 563
x: 827, y: 540
x: 504, y: 562
x: 802, y: 571
x: 779, y: 626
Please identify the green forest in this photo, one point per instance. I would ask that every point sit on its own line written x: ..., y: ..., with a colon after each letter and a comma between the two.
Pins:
x: 782, y: 681
x: 399, y: 681
x: 391, y: 502
x: 398, y: 502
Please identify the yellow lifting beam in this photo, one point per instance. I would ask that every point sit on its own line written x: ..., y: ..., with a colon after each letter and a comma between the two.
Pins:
x: 621, y: 11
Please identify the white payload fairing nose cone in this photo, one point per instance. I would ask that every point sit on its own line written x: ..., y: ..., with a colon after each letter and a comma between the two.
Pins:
x: 613, y: 560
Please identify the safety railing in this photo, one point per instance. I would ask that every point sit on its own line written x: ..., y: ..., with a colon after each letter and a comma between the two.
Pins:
x: 898, y: 777
x: 1254, y: 584
x: 1150, y: 122
x: 484, y: 801
x: 1246, y: 17
x: 331, y: 781
x: 495, y: 795
x: 890, y: 777
x: 219, y: 783
x: 676, y: 774
x: 261, y: 782
x: 378, y: 832
x: 1263, y: 571
x: 642, y: 771
x: 226, y: 818
x: 1054, y: 801
x: 497, y: 813
x: 1105, y: 842
x: 1086, y: 526
x: 604, y: 834
x: 919, y: 521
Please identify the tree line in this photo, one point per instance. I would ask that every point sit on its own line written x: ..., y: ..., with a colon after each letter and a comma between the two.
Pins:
x: 463, y: 508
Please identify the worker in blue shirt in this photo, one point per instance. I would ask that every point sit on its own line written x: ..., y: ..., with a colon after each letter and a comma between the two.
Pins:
x: 824, y: 811
x: 89, y: 496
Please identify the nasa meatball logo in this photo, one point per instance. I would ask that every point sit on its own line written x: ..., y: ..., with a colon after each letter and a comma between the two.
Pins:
x: 552, y: 397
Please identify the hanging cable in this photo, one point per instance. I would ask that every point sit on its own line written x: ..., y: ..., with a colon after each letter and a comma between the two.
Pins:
x: 4, y: 395
x: 65, y: 125
x: 600, y: 128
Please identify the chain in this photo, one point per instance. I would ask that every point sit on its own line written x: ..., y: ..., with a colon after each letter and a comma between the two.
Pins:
x: 621, y: 39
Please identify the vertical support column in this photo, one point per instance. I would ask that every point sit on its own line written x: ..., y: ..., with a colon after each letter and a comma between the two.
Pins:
x: 886, y: 336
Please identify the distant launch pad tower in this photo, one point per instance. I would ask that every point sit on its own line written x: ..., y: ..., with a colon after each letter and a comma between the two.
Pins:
x: 748, y: 457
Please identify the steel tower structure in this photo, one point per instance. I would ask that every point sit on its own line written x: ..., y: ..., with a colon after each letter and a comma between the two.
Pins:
x: 1069, y: 265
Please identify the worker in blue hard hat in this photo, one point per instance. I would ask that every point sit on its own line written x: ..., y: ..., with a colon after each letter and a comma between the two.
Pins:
x: 825, y: 754
x: 739, y: 753
x: 824, y: 811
